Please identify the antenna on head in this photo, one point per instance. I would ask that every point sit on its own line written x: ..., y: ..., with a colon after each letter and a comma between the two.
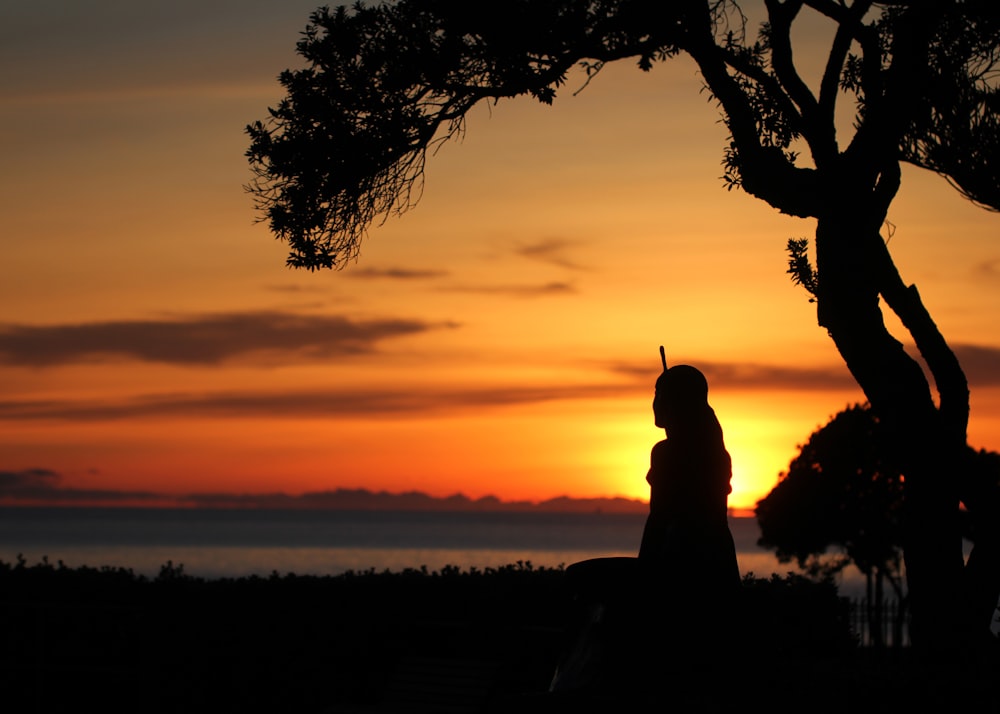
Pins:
x: 663, y: 358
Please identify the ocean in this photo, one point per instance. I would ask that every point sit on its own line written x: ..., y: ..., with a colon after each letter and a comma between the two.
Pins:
x: 237, y: 543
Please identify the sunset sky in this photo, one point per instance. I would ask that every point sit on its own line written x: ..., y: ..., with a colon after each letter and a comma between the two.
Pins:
x: 499, y: 339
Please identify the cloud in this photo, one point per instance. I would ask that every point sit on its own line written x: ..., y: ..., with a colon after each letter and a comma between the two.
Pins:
x: 313, y: 404
x: 980, y: 363
x: 520, y: 291
x: 394, y: 274
x: 988, y: 268
x: 749, y: 376
x: 201, y: 339
x: 294, y: 289
x: 554, y: 251
x: 28, y: 481
x: 774, y: 377
x: 43, y: 485
x: 339, y: 402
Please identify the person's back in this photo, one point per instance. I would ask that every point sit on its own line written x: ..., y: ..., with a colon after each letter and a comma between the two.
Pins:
x: 687, y: 532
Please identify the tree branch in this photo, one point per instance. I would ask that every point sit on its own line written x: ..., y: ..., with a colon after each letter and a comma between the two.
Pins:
x: 781, y: 16
x: 848, y: 29
x: 765, y: 172
x: 952, y: 385
x: 891, y: 95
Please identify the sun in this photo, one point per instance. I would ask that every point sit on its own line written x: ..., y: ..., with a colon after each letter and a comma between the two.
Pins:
x: 760, y: 444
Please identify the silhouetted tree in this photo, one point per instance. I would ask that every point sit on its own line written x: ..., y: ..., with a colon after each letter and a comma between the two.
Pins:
x: 840, y: 494
x: 385, y: 83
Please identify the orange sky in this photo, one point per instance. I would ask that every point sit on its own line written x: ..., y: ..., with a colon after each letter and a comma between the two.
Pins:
x: 499, y: 339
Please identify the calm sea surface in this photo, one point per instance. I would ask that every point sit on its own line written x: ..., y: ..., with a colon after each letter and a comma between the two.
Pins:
x: 234, y: 543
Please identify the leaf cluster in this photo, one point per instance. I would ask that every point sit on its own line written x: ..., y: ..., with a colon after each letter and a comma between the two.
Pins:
x: 775, y: 126
x: 799, y: 267
x: 955, y: 130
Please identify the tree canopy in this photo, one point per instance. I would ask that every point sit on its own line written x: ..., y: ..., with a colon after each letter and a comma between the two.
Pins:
x: 839, y: 492
x: 385, y: 83
x: 841, y: 502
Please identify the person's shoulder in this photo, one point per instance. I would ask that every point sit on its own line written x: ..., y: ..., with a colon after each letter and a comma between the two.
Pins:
x: 660, y: 450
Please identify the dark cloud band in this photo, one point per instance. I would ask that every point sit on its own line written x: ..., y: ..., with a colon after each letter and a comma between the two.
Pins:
x: 201, y: 340
x: 317, y: 403
x: 516, y: 291
x: 44, y: 485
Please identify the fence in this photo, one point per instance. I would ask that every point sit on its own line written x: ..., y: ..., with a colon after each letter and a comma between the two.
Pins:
x: 885, y: 626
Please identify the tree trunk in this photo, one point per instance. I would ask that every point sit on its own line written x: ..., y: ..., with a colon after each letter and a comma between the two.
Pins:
x: 849, y: 256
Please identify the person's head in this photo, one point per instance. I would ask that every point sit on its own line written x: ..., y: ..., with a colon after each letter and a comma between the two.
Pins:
x: 680, y: 390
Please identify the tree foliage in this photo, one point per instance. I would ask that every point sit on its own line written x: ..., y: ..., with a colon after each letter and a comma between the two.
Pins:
x: 954, y: 130
x: 838, y: 494
x: 384, y: 84
x: 841, y: 502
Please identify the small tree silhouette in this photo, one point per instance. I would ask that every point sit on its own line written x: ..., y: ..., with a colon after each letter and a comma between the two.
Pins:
x: 840, y: 493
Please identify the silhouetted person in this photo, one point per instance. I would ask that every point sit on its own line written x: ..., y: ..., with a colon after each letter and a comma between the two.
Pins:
x: 687, y: 534
x: 674, y: 602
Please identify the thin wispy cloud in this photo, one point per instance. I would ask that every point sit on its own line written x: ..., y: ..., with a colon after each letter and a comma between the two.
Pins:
x: 334, y: 402
x: 555, y: 251
x: 294, y: 289
x: 518, y: 291
x: 981, y: 364
x: 328, y: 403
x: 988, y: 268
x: 771, y: 377
x: 394, y: 274
x: 202, y: 340
x: 748, y: 376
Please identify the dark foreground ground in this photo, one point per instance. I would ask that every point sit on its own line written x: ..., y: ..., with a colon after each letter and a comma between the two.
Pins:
x: 451, y: 641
